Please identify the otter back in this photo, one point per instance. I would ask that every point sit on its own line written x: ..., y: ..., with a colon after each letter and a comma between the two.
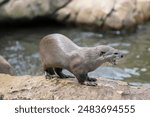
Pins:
x: 55, y: 49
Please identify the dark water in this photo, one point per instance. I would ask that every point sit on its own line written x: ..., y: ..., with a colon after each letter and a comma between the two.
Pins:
x: 20, y: 48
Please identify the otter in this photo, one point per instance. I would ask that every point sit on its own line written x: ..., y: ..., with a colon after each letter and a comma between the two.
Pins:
x: 5, y: 67
x: 58, y: 52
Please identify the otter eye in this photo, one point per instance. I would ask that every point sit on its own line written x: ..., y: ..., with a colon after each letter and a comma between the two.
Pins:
x: 116, y: 53
x: 102, y: 53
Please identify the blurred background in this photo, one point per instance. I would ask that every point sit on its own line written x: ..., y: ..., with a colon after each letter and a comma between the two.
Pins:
x: 122, y: 24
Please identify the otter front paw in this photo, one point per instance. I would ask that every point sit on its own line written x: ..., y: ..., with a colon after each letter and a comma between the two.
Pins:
x: 48, y: 76
x: 90, y: 83
x: 91, y: 79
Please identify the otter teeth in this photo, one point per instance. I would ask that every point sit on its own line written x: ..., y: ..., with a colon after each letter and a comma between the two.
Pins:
x: 114, y: 62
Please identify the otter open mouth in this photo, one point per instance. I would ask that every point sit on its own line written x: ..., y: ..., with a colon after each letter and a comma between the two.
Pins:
x: 115, y: 61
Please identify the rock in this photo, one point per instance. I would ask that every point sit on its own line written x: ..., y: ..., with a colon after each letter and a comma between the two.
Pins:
x: 37, y: 87
x: 30, y: 9
x: 142, y: 6
x: 5, y: 67
x: 3, y: 2
x: 111, y: 14
x: 99, y: 14
x: 86, y: 11
x: 122, y: 15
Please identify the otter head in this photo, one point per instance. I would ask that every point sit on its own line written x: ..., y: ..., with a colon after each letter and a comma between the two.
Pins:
x: 110, y: 54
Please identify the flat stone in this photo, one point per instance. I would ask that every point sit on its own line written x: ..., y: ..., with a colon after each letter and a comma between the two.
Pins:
x: 37, y: 87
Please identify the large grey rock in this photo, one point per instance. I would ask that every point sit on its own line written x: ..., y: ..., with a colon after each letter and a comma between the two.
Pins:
x: 122, y: 15
x: 115, y: 14
x: 18, y: 9
x: 37, y: 87
x: 86, y: 11
x: 112, y: 14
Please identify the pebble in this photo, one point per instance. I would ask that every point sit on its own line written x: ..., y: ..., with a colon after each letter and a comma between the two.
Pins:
x: 120, y: 92
x: 138, y: 56
x: 143, y: 69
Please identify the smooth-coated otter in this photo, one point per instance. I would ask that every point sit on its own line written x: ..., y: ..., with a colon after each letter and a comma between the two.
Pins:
x: 5, y: 67
x: 59, y: 52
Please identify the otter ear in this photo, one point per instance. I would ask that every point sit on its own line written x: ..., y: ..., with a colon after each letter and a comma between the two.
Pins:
x: 102, y: 53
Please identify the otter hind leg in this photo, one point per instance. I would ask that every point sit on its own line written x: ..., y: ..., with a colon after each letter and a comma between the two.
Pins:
x: 61, y: 74
x: 49, y: 72
x: 84, y: 80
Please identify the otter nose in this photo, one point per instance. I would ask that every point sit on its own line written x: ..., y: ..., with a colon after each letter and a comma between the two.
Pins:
x: 121, y: 55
